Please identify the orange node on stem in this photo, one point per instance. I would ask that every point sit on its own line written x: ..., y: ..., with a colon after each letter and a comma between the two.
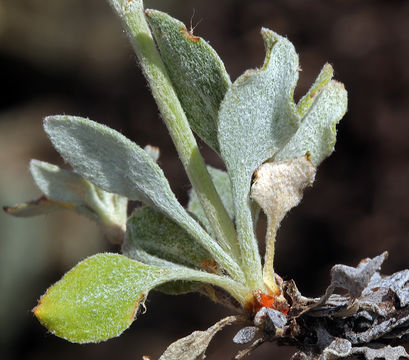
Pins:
x: 261, y: 300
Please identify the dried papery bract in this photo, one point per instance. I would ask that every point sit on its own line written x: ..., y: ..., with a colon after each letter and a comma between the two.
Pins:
x: 277, y: 188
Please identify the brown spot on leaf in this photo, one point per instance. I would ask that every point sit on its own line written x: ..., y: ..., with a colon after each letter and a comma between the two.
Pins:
x: 136, y: 306
x: 210, y: 265
x: 190, y: 35
x: 11, y: 209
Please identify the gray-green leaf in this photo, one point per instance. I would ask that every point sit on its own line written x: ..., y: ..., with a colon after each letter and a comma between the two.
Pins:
x: 196, y: 71
x: 59, y: 184
x: 222, y: 184
x: 256, y: 118
x: 151, y: 231
x: 108, y: 159
x: 317, y: 132
x: 111, y: 161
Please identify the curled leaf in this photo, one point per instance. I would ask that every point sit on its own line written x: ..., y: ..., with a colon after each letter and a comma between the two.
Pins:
x: 309, y: 98
x: 317, y: 132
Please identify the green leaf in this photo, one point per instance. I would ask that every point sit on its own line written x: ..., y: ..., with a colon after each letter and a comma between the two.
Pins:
x: 317, y: 133
x: 222, y: 184
x: 99, y: 298
x: 179, y: 287
x: 196, y: 71
x: 151, y: 231
x: 111, y: 161
x: 256, y: 118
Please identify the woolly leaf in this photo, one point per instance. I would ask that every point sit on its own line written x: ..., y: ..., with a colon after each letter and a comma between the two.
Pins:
x: 108, y: 159
x: 196, y: 71
x: 256, y: 119
x: 116, y: 164
x: 317, y: 133
x: 99, y: 298
x: 59, y: 184
x: 151, y: 231
x: 223, y: 187
x: 179, y: 287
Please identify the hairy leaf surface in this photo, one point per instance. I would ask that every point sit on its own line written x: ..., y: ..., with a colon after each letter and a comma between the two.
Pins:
x: 317, y: 132
x: 222, y: 184
x: 60, y: 184
x: 99, y: 298
x: 116, y: 164
x: 196, y: 71
x: 256, y: 119
x: 151, y: 231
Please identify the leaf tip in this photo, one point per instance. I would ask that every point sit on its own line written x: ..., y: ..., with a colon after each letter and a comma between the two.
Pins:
x: 149, y: 12
x: 7, y: 209
x: 38, y: 310
x: 50, y: 120
x: 47, y: 122
x: 328, y: 68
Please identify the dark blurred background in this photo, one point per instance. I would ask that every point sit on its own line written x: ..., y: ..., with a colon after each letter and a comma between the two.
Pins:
x: 71, y: 57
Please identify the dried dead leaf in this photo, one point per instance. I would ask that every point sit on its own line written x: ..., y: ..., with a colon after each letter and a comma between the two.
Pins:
x: 193, y: 346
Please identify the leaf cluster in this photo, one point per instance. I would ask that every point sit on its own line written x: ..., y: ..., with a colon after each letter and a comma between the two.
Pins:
x: 270, y: 145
